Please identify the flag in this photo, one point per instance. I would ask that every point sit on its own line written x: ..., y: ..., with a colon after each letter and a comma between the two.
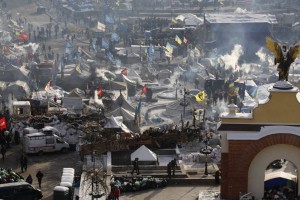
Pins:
x: 138, y: 110
x: 150, y: 53
x: 174, y: 21
x: 200, y: 96
x: 197, y: 52
x: 169, y: 47
x: 101, y: 27
x: 124, y: 72
x: 232, y: 89
x: 105, y: 44
x: 178, y: 40
x: 47, y: 88
x: 144, y: 90
x: 3, y: 123
x: 115, y: 37
x: 78, y: 69
x: 100, y: 92
x: 185, y: 40
x: 109, y: 19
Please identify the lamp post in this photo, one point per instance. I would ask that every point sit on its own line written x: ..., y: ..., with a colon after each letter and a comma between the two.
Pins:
x: 206, y: 150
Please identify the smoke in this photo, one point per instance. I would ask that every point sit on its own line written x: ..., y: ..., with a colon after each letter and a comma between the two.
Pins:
x: 231, y: 60
x: 263, y: 57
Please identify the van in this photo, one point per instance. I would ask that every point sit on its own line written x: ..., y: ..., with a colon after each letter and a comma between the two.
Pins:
x: 19, y: 191
x: 41, y: 142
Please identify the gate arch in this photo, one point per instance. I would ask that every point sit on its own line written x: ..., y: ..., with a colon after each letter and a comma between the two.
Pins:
x: 256, y: 172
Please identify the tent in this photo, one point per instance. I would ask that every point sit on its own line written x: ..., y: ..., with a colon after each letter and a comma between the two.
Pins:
x: 279, y: 178
x: 113, y: 123
x: 144, y: 155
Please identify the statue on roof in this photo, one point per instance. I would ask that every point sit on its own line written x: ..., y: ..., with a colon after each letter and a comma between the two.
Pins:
x: 284, y: 55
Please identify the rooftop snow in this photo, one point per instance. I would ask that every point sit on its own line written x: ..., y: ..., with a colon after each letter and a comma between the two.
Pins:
x: 230, y: 18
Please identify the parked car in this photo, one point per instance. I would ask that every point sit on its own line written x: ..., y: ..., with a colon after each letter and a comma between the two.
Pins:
x: 19, y: 191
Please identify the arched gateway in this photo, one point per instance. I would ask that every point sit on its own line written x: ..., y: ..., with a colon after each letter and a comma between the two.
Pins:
x: 251, y: 141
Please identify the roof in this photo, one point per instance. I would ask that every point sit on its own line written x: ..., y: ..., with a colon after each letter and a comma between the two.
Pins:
x: 239, y: 18
x: 72, y: 103
x: 112, y: 122
x: 144, y: 154
x: 121, y: 102
x: 21, y: 103
x: 127, y: 115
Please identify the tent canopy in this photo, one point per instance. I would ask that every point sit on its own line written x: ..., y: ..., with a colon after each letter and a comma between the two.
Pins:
x: 144, y: 154
x: 280, y: 174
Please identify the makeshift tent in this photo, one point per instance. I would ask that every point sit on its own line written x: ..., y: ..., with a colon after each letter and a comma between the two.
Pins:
x: 121, y: 102
x: 113, y: 123
x: 145, y: 155
x: 279, y: 178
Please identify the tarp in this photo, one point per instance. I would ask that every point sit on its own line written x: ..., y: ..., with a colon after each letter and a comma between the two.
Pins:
x: 144, y: 154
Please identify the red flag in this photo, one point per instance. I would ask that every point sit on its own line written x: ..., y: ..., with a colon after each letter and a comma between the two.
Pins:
x: 100, y: 91
x: 3, y: 123
x: 124, y: 72
x: 144, y: 90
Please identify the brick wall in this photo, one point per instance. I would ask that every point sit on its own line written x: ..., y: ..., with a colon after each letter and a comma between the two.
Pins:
x: 235, y: 163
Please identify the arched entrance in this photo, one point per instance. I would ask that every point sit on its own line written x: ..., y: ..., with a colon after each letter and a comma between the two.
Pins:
x: 260, y: 162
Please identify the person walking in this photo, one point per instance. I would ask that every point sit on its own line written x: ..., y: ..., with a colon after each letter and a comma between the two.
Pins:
x: 3, y: 152
x: 39, y: 177
x: 116, y: 192
x: 22, y: 163
x: 136, y: 166
x: 173, y: 166
x: 29, y: 179
x: 169, y: 169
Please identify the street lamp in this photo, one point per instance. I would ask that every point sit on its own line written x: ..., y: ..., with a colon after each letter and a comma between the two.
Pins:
x: 206, y: 150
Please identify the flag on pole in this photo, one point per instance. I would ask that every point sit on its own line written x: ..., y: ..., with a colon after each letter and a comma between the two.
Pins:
x: 3, y: 123
x: 124, y: 72
x: 178, y: 40
x: 78, y: 69
x: 185, y: 40
x: 100, y: 92
x: 174, y: 21
x: 169, y: 47
x: 47, y: 88
x: 200, y: 96
x: 144, y: 90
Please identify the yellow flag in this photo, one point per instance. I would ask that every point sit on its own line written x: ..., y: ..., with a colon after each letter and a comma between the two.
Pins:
x: 174, y: 21
x: 200, y: 96
x: 78, y: 69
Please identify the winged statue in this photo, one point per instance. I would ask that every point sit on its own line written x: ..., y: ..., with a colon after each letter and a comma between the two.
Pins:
x: 284, y: 56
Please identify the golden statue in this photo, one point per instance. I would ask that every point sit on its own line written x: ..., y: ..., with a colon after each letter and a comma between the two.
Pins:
x: 284, y: 55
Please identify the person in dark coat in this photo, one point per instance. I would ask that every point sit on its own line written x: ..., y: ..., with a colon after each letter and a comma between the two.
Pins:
x: 217, y: 177
x: 3, y: 152
x: 23, y: 161
x: 136, y: 166
x: 169, y: 169
x: 29, y: 179
x: 39, y: 177
x: 173, y: 166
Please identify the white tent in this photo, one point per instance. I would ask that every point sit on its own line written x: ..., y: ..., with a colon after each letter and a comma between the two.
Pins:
x: 113, y: 122
x: 280, y: 174
x: 144, y: 154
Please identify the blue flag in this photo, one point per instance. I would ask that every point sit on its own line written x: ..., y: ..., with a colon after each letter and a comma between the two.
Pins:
x: 109, y: 19
x: 150, y: 52
x: 115, y: 37
x: 105, y: 44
